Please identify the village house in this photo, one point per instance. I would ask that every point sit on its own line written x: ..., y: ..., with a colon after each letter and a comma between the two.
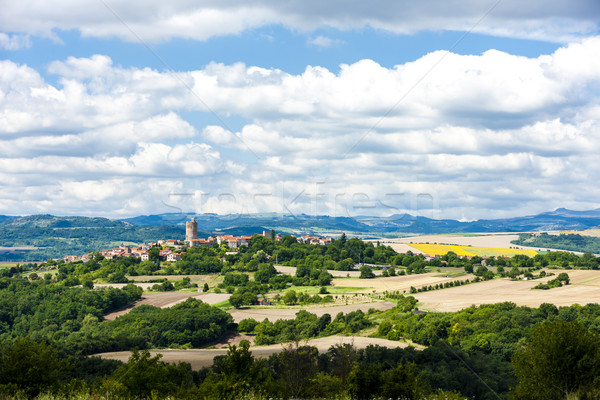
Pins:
x: 167, y: 253
x: 174, y: 257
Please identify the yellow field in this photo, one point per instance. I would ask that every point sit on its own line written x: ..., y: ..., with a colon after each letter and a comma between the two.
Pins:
x: 441, y: 249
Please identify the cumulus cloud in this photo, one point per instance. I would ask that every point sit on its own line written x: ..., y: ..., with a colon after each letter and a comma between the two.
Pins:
x: 155, y: 20
x: 444, y: 132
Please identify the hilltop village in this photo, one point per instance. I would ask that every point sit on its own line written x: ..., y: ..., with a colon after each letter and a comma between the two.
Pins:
x: 170, y: 249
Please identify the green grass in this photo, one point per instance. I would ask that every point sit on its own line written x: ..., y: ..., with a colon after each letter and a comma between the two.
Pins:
x: 226, y: 305
x: 452, y: 274
x: 316, y: 289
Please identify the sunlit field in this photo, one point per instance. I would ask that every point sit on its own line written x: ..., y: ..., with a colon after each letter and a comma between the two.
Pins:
x: 441, y: 249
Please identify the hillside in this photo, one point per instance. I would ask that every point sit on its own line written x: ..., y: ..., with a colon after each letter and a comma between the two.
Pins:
x: 560, y: 219
x: 58, y: 236
x: 565, y: 241
x: 53, y: 237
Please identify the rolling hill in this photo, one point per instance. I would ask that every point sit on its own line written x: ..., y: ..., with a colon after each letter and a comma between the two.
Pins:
x: 53, y: 236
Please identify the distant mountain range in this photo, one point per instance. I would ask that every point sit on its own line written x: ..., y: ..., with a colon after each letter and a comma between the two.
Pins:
x: 57, y: 236
x: 560, y: 219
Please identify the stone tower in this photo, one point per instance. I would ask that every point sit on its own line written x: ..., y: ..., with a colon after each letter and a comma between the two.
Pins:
x: 191, y: 230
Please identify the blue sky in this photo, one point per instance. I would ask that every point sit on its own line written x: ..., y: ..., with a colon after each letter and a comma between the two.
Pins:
x: 447, y: 109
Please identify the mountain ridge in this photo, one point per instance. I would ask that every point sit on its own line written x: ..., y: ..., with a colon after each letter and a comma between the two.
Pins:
x: 559, y: 219
x: 53, y: 236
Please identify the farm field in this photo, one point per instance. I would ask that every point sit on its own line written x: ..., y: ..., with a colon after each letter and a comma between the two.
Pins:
x: 168, y: 299
x: 400, y: 282
x: 273, y: 314
x: 584, y: 289
x: 204, y: 357
x: 486, y: 240
x: 441, y: 249
x: 587, y: 232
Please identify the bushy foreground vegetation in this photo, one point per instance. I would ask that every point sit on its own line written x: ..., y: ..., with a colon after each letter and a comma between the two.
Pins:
x: 71, y: 317
x: 52, y: 319
x: 558, y: 360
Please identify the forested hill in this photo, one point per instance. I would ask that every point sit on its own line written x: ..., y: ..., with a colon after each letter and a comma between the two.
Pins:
x: 59, y: 236
x: 565, y: 241
x: 54, y: 237
x: 560, y: 219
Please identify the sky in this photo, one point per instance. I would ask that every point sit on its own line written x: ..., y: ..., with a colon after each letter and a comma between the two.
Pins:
x: 462, y: 109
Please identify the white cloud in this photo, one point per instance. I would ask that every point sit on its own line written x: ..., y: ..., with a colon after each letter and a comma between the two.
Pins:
x: 478, y: 133
x: 14, y: 42
x: 324, y: 42
x: 154, y: 20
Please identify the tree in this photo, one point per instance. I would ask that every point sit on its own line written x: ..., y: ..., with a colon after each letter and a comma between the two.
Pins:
x: 264, y: 273
x: 366, y: 272
x: 154, y: 255
x: 242, y: 298
x: 144, y: 375
x: 325, y: 278
x: 563, y: 277
x: 295, y: 368
x: 343, y: 239
x: 32, y: 367
x: 247, y: 325
x: 290, y: 298
x: 560, y: 358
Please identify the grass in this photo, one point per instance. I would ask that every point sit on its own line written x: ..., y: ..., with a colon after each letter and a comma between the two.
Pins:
x: 316, y: 289
x: 448, y: 270
x: 223, y: 304
x: 451, y: 274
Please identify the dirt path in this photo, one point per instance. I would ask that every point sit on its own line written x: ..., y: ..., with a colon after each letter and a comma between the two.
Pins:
x: 199, y: 358
x: 273, y: 314
x: 168, y: 299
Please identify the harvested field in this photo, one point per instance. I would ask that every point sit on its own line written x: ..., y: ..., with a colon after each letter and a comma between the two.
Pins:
x: 336, y: 274
x: 273, y: 314
x: 204, y: 357
x: 400, y: 283
x: 583, y: 290
x: 496, y: 240
x: 588, y: 232
x: 168, y: 299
